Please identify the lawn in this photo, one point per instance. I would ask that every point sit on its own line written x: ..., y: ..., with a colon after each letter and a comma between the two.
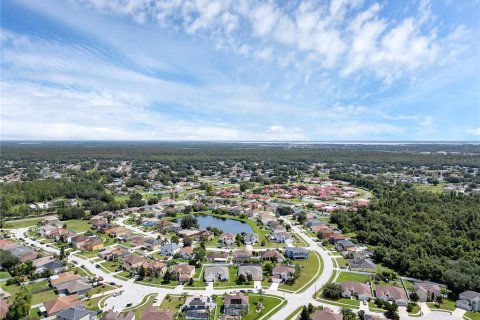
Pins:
x: 15, y: 224
x: 77, y: 225
x: 89, y: 254
x: 111, y: 266
x: 172, y: 302
x: 446, y: 305
x: 373, y: 307
x: 232, y: 280
x: 158, y: 282
x: 43, y: 296
x: 100, y: 289
x: 308, y: 274
x: 472, y: 315
x: 341, y: 262
x: 33, y: 287
x: 4, y: 275
x: 429, y: 187
x: 147, y: 301
x: 354, y: 277
x: 92, y: 304
x: 415, y: 310
x: 342, y: 302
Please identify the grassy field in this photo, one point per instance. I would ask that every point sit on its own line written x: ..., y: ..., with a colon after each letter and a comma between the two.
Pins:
x: 472, y: 315
x: 446, y: 305
x: 4, y: 275
x: 33, y: 287
x: 430, y: 187
x: 172, y: 302
x: 43, y: 296
x: 14, y: 224
x: 342, y: 302
x: 355, y: 277
x: 308, y: 273
x: 77, y: 225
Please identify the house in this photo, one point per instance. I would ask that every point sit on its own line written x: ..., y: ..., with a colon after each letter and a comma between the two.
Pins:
x: 242, y: 255
x: 365, y: 265
x: 153, y: 313
x: 169, y: 249
x: 155, y: 266
x: 76, y: 313
x: 47, y: 230
x: 116, y: 231
x: 390, y: 293
x: 271, y: 255
x: 235, y: 304
x: 73, y: 287
x: 112, y: 253
x: 63, y: 278
x: 197, y: 307
x: 150, y: 222
x: 296, y: 253
x: 186, y: 253
x: 227, y: 239
x: 426, y: 291
x: 355, y: 289
x: 132, y: 262
x: 282, y: 273
x: 326, y: 314
x: 469, y: 300
x: 153, y: 244
x: 214, y: 273
x: 217, y: 256
x: 204, y: 235
x: 183, y: 272
x: 250, y: 238
x: 251, y: 270
x: 78, y: 242
x: 92, y: 244
x: 55, y: 266
x: 112, y: 315
x: 344, y: 245
x: 189, y: 233
x: 52, y: 307
x: 97, y: 221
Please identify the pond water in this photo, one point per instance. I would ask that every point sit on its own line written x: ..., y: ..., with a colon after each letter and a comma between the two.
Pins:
x: 225, y: 224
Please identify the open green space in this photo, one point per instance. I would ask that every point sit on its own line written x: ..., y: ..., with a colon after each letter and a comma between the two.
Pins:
x: 172, y: 302
x: 77, y: 225
x: 43, y: 296
x: 472, y: 315
x: 15, y: 224
x: 445, y: 305
x: 354, y: 277
x: 342, y: 302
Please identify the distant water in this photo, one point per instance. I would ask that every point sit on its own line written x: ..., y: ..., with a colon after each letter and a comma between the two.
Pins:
x: 226, y: 225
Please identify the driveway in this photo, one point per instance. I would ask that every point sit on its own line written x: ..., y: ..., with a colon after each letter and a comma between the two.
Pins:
x: 274, y: 286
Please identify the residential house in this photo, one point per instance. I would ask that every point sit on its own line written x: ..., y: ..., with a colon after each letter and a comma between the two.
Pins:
x: 355, y: 289
x: 227, y: 239
x: 204, y: 235
x: 344, y: 245
x: 183, y: 272
x: 250, y: 238
x: 251, y: 270
x: 116, y: 231
x: 73, y: 287
x: 78, y: 242
x: 282, y: 236
x: 76, y: 313
x: 47, y: 230
x: 390, y: 293
x: 282, y: 273
x: 169, y: 249
x: 113, y: 315
x: 153, y: 244
x: 155, y: 266
x: 150, y: 222
x: 426, y: 291
x: 326, y: 314
x: 63, y: 277
x: 132, y: 262
x: 217, y: 256
x: 153, y: 313
x: 235, y: 304
x: 242, y: 255
x: 97, y: 221
x: 271, y: 255
x: 92, y: 244
x: 197, y: 307
x: 186, y: 253
x: 55, y: 266
x: 215, y: 273
x: 469, y: 300
x: 296, y: 253
x: 52, y: 307
x: 4, y: 295
x: 365, y: 265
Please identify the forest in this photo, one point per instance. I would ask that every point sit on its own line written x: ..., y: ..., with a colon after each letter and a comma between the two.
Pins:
x: 420, y: 234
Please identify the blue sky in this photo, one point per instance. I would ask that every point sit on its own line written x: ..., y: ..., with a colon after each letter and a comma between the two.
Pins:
x: 240, y: 70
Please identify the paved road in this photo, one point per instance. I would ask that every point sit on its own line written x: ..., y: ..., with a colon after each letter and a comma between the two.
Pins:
x: 134, y: 292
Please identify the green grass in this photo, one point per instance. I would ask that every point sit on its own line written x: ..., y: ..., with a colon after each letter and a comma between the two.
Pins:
x: 101, y: 289
x: 34, y: 312
x: 92, y: 304
x: 232, y: 280
x: 342, y: 302
x: 354, y: 277
x: 111, y: 266
x: 270, y: 303
x: 341, y: 262
x: 4, y: 275
x: 77, y: 225
x: 430, y: 188
x: 373, y: 307
x: 472, y: 315
x: 43, y: 296
x: 33, y: 287
x: 446, y: 305
x: 172, y: 303
x: 293, y: 315
x: 157, y: 282
x: 15, y: 224
x: 147, y: 301
x: 415, y: 310
x: 308, y: 273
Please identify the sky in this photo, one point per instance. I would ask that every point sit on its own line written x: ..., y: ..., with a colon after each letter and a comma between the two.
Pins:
x: 339, y: 70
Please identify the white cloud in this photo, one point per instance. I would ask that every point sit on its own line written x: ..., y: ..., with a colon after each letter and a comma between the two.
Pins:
x: 474, y: 131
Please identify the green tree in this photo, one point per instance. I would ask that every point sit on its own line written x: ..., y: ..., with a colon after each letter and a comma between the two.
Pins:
x: 332, y: 291
x: 304, y: 315
x: 20, y: 306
